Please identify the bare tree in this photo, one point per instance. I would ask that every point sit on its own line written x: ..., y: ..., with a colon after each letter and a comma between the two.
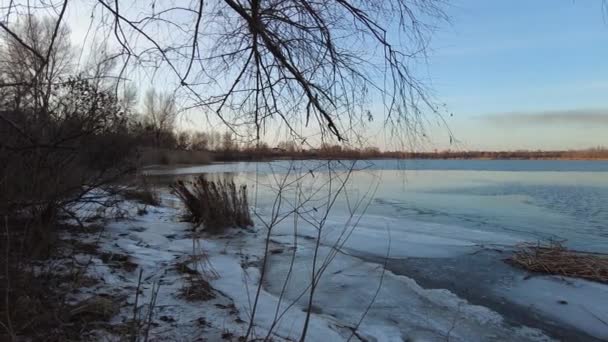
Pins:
x: 200, y: 141
x: 228, y: 142
x: 128, y: 98
x: 33, y: 57
x: 296, y: 61
x: 184, y: 140
x: 160, y: 114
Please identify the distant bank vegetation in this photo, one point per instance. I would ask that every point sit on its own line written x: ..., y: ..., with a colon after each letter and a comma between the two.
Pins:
x: 197, y: 147
x: 193, y: 154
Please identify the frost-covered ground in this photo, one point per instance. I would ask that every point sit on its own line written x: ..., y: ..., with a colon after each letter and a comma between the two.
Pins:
x: 157, y: 242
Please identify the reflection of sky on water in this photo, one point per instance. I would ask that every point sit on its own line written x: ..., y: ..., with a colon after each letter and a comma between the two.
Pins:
x: 542, y: 199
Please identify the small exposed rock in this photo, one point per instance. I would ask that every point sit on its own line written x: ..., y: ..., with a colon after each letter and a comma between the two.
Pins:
x: 167, y: 319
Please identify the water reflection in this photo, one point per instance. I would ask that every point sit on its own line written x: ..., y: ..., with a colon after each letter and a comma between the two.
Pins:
x: 536, y: 204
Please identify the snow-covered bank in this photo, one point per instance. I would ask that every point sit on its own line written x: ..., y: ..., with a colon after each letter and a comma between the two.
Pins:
x: 402, y: 310
x: 157, y: 242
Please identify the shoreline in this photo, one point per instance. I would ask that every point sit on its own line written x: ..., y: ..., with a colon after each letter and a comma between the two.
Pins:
x: 162, y: 246
x: 475, y: 279
x: 214, y: 158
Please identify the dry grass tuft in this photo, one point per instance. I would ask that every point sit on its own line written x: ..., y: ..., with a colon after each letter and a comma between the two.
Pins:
x: 196, y: 289
x: 118, y: 260
x: 184, y: 268
x: 556, y: 259
x: 214, y: 204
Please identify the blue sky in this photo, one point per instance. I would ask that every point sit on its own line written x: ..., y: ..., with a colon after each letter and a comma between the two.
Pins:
x: 523, y: 74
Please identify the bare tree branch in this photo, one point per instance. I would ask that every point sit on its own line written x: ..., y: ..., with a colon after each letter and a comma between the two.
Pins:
x: 24, y: 44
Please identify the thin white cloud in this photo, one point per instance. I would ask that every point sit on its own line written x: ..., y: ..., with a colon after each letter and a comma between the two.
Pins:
x: 550, y: 117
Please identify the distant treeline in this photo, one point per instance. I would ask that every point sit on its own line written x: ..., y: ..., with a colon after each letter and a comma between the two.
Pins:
x: 594, y: 153
x: 263, y: 152
x: 224, y: 147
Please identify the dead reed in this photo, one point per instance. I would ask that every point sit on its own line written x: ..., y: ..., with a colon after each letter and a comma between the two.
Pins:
x: 214, y: 204
x: 554, y: 258
x: 196, y: 289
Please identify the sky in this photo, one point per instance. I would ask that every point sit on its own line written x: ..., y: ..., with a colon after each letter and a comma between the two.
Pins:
x: 516, y: 74
x: 522, y: 74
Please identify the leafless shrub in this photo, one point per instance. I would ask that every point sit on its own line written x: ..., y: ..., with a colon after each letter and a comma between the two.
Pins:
x: 62, y: 139
x: 48, y: 164
x: 214, y: 204
x: 138, y: 329
x: 316, y: 188
x: 35, y: 293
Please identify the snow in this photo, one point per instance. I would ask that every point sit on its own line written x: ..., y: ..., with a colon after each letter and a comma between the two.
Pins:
x: 575, y: 302
x: 241, y: 284
x: 145, y: 240
x: 402, y: 310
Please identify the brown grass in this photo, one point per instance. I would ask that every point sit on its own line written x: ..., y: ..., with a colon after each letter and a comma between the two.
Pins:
x: 196, y: 285
x: 214, y: 204
x: 196, y: 289
x: 554, y: 258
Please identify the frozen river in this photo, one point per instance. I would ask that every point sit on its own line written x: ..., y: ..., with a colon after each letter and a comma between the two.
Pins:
x: 445, y: 224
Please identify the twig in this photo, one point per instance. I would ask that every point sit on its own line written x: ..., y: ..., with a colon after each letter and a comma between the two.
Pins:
x: 9, y: 326
x: 135, y: 322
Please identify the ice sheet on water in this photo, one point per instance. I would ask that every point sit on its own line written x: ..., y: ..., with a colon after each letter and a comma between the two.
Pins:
x: 402, y: 309
x: 575, y: 302
x: 373, y: 234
